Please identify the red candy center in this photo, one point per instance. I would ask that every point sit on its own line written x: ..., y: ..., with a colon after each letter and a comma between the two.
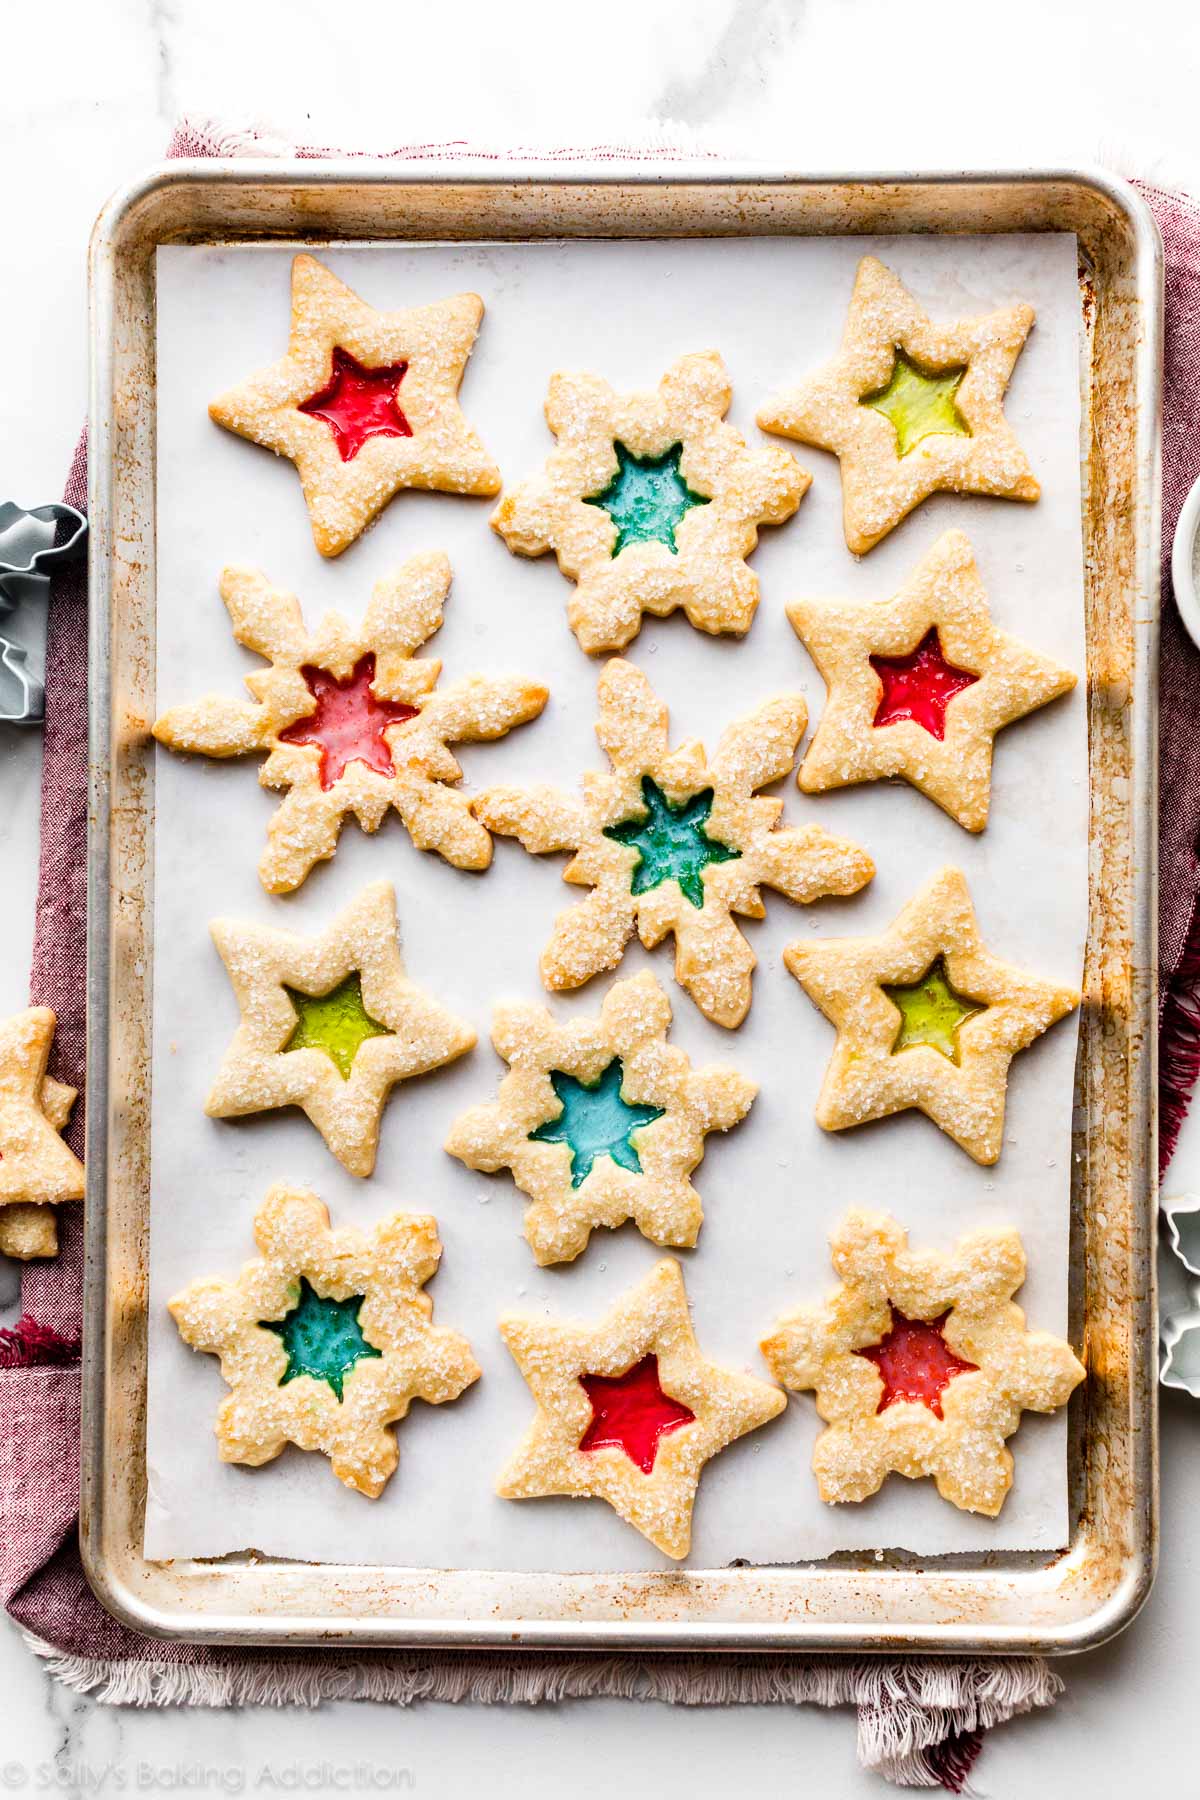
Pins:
x: 632, y: 1412
x: 349, y: 722
x: 359, y: 403
x: 919, y: 686
x: 915, y: 1362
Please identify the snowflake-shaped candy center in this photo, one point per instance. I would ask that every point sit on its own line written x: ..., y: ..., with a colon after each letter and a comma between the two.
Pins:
x: 596, y: 1120
x: 647, y: 498
x: 671, y: 842
x: 322, y: 1337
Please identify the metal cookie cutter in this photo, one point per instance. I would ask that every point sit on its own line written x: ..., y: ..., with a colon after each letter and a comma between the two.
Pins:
x: 1179, y: 1305
x: 28, y: 551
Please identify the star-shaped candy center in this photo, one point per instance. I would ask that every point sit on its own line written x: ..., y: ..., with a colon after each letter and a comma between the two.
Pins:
x: 349, y: 723
x: 646, y: 498
x: 919, y: 686
x: 671, y: 842
x: 337, y: 1023
x: 631, y: 1412
x: 919, y: 405
x: 915, y: 1362
x: 931, y: 1012
x: 358, y: 403
x: 595, y: 1120
x: 322, y: 1338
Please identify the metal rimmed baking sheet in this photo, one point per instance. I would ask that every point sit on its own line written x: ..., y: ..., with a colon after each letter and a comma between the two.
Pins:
x: 855, y: 1601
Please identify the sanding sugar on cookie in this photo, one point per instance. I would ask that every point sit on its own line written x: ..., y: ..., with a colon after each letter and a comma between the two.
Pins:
x: 910, y: 407
x: 672, y: 843
x: 352, y: 720
x: 651, y: 502
x: 920, y: 1363
x: 364, y: 403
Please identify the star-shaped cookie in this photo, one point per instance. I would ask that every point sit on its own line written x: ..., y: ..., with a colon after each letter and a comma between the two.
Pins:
x: 326, y: 1339
x: 364, y: 403
x: 921, y: 1364
x: 352, y: 720
x: 628, y: 1410
x: 909, y: 407
x: 925, y: 1017
x: 670, y: 842
x: 651, y: 502
x: 600, y: 1120
x: 329, y: 1023
x: 37, y: 1170
x: 919, y: 684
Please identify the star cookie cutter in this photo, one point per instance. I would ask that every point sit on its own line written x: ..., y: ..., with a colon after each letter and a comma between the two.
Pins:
x: 1179, y: 1296
x: 28, y: 551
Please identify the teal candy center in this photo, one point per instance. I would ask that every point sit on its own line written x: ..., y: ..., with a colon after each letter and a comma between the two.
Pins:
x: 322, y: 1338
x: 671, y: 842
x: 918, y: 405
x: 337, y: 1023
x: 595, y: 1121
x: 646, y: 498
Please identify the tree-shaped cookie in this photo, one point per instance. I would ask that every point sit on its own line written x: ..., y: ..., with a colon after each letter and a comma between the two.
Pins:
x: 628, y: 1410
x: 600, y: 1120
x: 670, y: 842
x: 651, y: 502
x: 364, y: 403
x: 326, y: 1339
x: 925, y: 1017
x: 352, y: 721
x: 919, y: 684
x: 329, y: 1023
x: 37, y: 1170
x: 921, y: 1364
x: 909, y: 407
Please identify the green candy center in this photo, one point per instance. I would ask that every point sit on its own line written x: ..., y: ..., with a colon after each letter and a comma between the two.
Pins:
x: 671, y: 842
x: 322, y: 1338
x: 337, y: 1023
x: 594, y: 1120
x: 646, y: 498
x: 932, y: 1012
x: 918, y: 405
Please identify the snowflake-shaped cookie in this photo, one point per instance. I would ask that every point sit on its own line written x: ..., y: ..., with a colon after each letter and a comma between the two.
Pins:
x: 669, y: 842
x: 651, y: 502
x: 329, y: 1023
x: 628, y: 1410
x: 920, y: 1363
x: 364, y: 403
x: 925, y: 1017
x: 37, y: 1170
x: 352, y: 720
x: 919, y: 684
x: 600, y: 1120
x: 326, y: 1339
x: 910, y: 407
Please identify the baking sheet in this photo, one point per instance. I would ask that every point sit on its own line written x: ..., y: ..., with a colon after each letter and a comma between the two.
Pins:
x: 771, y: 1189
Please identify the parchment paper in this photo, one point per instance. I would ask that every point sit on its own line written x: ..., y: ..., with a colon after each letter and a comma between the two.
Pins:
x: 772, y: 1188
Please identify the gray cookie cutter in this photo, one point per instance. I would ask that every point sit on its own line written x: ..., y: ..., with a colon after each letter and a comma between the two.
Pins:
x: 1179, y: 1286
x: 29, y: 549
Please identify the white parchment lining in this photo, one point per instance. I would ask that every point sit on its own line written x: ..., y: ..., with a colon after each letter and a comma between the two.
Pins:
x: 773, y: 307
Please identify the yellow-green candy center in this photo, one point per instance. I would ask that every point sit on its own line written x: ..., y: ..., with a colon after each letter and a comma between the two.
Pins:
x: 918, y: 405
x: 337, y: 1023
x: 931, y: 1012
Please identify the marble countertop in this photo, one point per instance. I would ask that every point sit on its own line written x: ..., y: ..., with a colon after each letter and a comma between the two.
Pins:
x: 91, y: 94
